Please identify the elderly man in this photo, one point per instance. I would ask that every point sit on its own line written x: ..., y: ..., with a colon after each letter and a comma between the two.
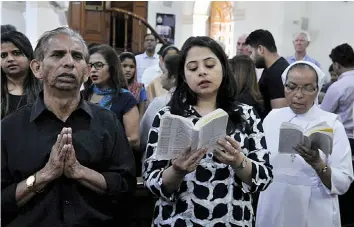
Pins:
x: 65, y: 162
x: 301, y: 42
x: 241, y: 47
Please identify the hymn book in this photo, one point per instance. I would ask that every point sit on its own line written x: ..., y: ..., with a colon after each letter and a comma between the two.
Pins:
x: 177, y: 133
x: 317, y: 137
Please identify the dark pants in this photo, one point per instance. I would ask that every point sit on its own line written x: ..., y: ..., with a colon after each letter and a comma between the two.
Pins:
x: 346, y: 201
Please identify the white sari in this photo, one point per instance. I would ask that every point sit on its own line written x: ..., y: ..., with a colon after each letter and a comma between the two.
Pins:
x: 297, y: 197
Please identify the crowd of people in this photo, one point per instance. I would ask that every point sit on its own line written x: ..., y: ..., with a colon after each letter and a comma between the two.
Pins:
x: 80, y: 124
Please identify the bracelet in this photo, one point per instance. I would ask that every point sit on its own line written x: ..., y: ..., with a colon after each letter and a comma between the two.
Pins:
x: 242, y: 165
x: 323, y: 170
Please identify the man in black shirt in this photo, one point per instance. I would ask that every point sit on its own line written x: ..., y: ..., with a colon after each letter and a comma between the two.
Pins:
x: 64, y: 161
x: 264, y: 54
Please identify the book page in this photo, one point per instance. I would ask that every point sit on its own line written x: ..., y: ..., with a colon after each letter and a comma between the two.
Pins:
x: 210, y: 133
x: 218, y: 113
x: 290, y: 135
x: 174, y: 136
x: 322, y: 141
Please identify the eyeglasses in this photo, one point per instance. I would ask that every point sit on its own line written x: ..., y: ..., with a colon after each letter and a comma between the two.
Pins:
x: 97, y: 65
x: 306, y: 90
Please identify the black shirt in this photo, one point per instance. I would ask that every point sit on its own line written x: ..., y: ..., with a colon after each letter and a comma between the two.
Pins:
x: 271, y: 85
x: 100, y: 144
x: 15, y: 102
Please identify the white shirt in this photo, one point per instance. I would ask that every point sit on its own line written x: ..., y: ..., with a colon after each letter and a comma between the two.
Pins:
x: 143, y: 61
x: 150, y: 74
x: 297, y: 197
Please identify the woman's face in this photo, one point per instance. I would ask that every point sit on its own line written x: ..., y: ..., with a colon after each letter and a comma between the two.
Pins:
x: 166, y: 81
x: 128, y: 67
x: 13, y: 61
x: 203, y: 71
x: 301, y: 89
x: 99, y: 73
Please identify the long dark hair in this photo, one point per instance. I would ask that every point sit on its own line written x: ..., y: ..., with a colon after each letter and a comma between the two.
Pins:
x: 31, y: 85
x: 131, y: 56
x: 117, y: 80
x: 245, y: 74
x: 226, y: 97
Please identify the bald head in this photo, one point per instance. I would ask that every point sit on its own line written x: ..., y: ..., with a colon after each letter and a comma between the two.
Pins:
x: 241, y: 46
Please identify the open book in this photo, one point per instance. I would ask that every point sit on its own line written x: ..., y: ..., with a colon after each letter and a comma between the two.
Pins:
x: 319, y: 136
x: 177, y: 133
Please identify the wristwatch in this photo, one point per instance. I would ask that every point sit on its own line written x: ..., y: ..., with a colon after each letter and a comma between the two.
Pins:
x: 31, y: 180
x: 242, y: 165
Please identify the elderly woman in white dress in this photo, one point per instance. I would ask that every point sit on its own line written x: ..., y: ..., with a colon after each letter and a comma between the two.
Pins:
x: 306, y: 184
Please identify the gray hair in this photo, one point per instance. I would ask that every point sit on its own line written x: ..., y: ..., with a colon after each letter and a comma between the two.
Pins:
x: 43, y: 42
x: 305, y: 33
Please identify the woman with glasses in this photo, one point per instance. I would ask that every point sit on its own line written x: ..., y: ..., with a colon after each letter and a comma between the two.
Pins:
x: 137, y: 89
x: 109, y: 90
x: 306, y: 183
x: 18, y: 84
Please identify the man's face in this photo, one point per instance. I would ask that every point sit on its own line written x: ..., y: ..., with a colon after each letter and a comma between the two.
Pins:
x: 241, y: 47
x: 257, y: 57
x: 63, y: 67
x: 150, y: 43
x: 300, y: 43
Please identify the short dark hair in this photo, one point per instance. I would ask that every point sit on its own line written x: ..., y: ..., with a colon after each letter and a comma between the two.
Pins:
x: 162, y: 48
x: 149, y: 34
x: 226, y: 97
x: 262, y: 37
x: 330, y: 68
x: 7, y: 28
x: 343, y: 55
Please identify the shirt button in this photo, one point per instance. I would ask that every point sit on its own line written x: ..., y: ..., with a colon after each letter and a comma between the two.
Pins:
x: 66, y: 202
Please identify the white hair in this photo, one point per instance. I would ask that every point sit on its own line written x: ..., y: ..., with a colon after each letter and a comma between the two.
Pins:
x: 302, y: 32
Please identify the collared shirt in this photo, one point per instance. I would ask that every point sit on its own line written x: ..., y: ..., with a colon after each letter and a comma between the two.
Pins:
x: 150, y: 74
x: 292, y: 59
x: 143, y: 61
x: 100, y: 144
x: 339, y: 99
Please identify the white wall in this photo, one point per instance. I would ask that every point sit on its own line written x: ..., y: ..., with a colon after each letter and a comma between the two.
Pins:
x: 330, y: 24
x: 31, y: 18
x: 176, y: 9
x: 12, y: 13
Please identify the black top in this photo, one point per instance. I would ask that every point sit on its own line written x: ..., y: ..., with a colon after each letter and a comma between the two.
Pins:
x: 247, y: 98
x: 100, y: 144
x: 121, y: 103
x: 15, y: 102
x: 271, y: 85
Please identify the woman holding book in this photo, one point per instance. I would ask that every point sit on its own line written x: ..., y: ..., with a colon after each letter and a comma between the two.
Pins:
x: 307, y: 182
x: 208, y: 187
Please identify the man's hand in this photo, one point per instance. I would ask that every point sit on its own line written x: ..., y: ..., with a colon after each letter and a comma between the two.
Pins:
x: 72, y: 167
x: 55, y: 165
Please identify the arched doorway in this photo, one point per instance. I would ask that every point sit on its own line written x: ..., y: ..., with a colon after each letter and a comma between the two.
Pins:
x: 220, y: 23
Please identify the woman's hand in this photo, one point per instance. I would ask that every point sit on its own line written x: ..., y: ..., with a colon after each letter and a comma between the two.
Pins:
x: 231, y: 152
x: 312, y: 157
x: 188, y: 161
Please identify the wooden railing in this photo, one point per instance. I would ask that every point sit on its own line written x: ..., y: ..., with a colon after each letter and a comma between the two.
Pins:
x: 141, y: 22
